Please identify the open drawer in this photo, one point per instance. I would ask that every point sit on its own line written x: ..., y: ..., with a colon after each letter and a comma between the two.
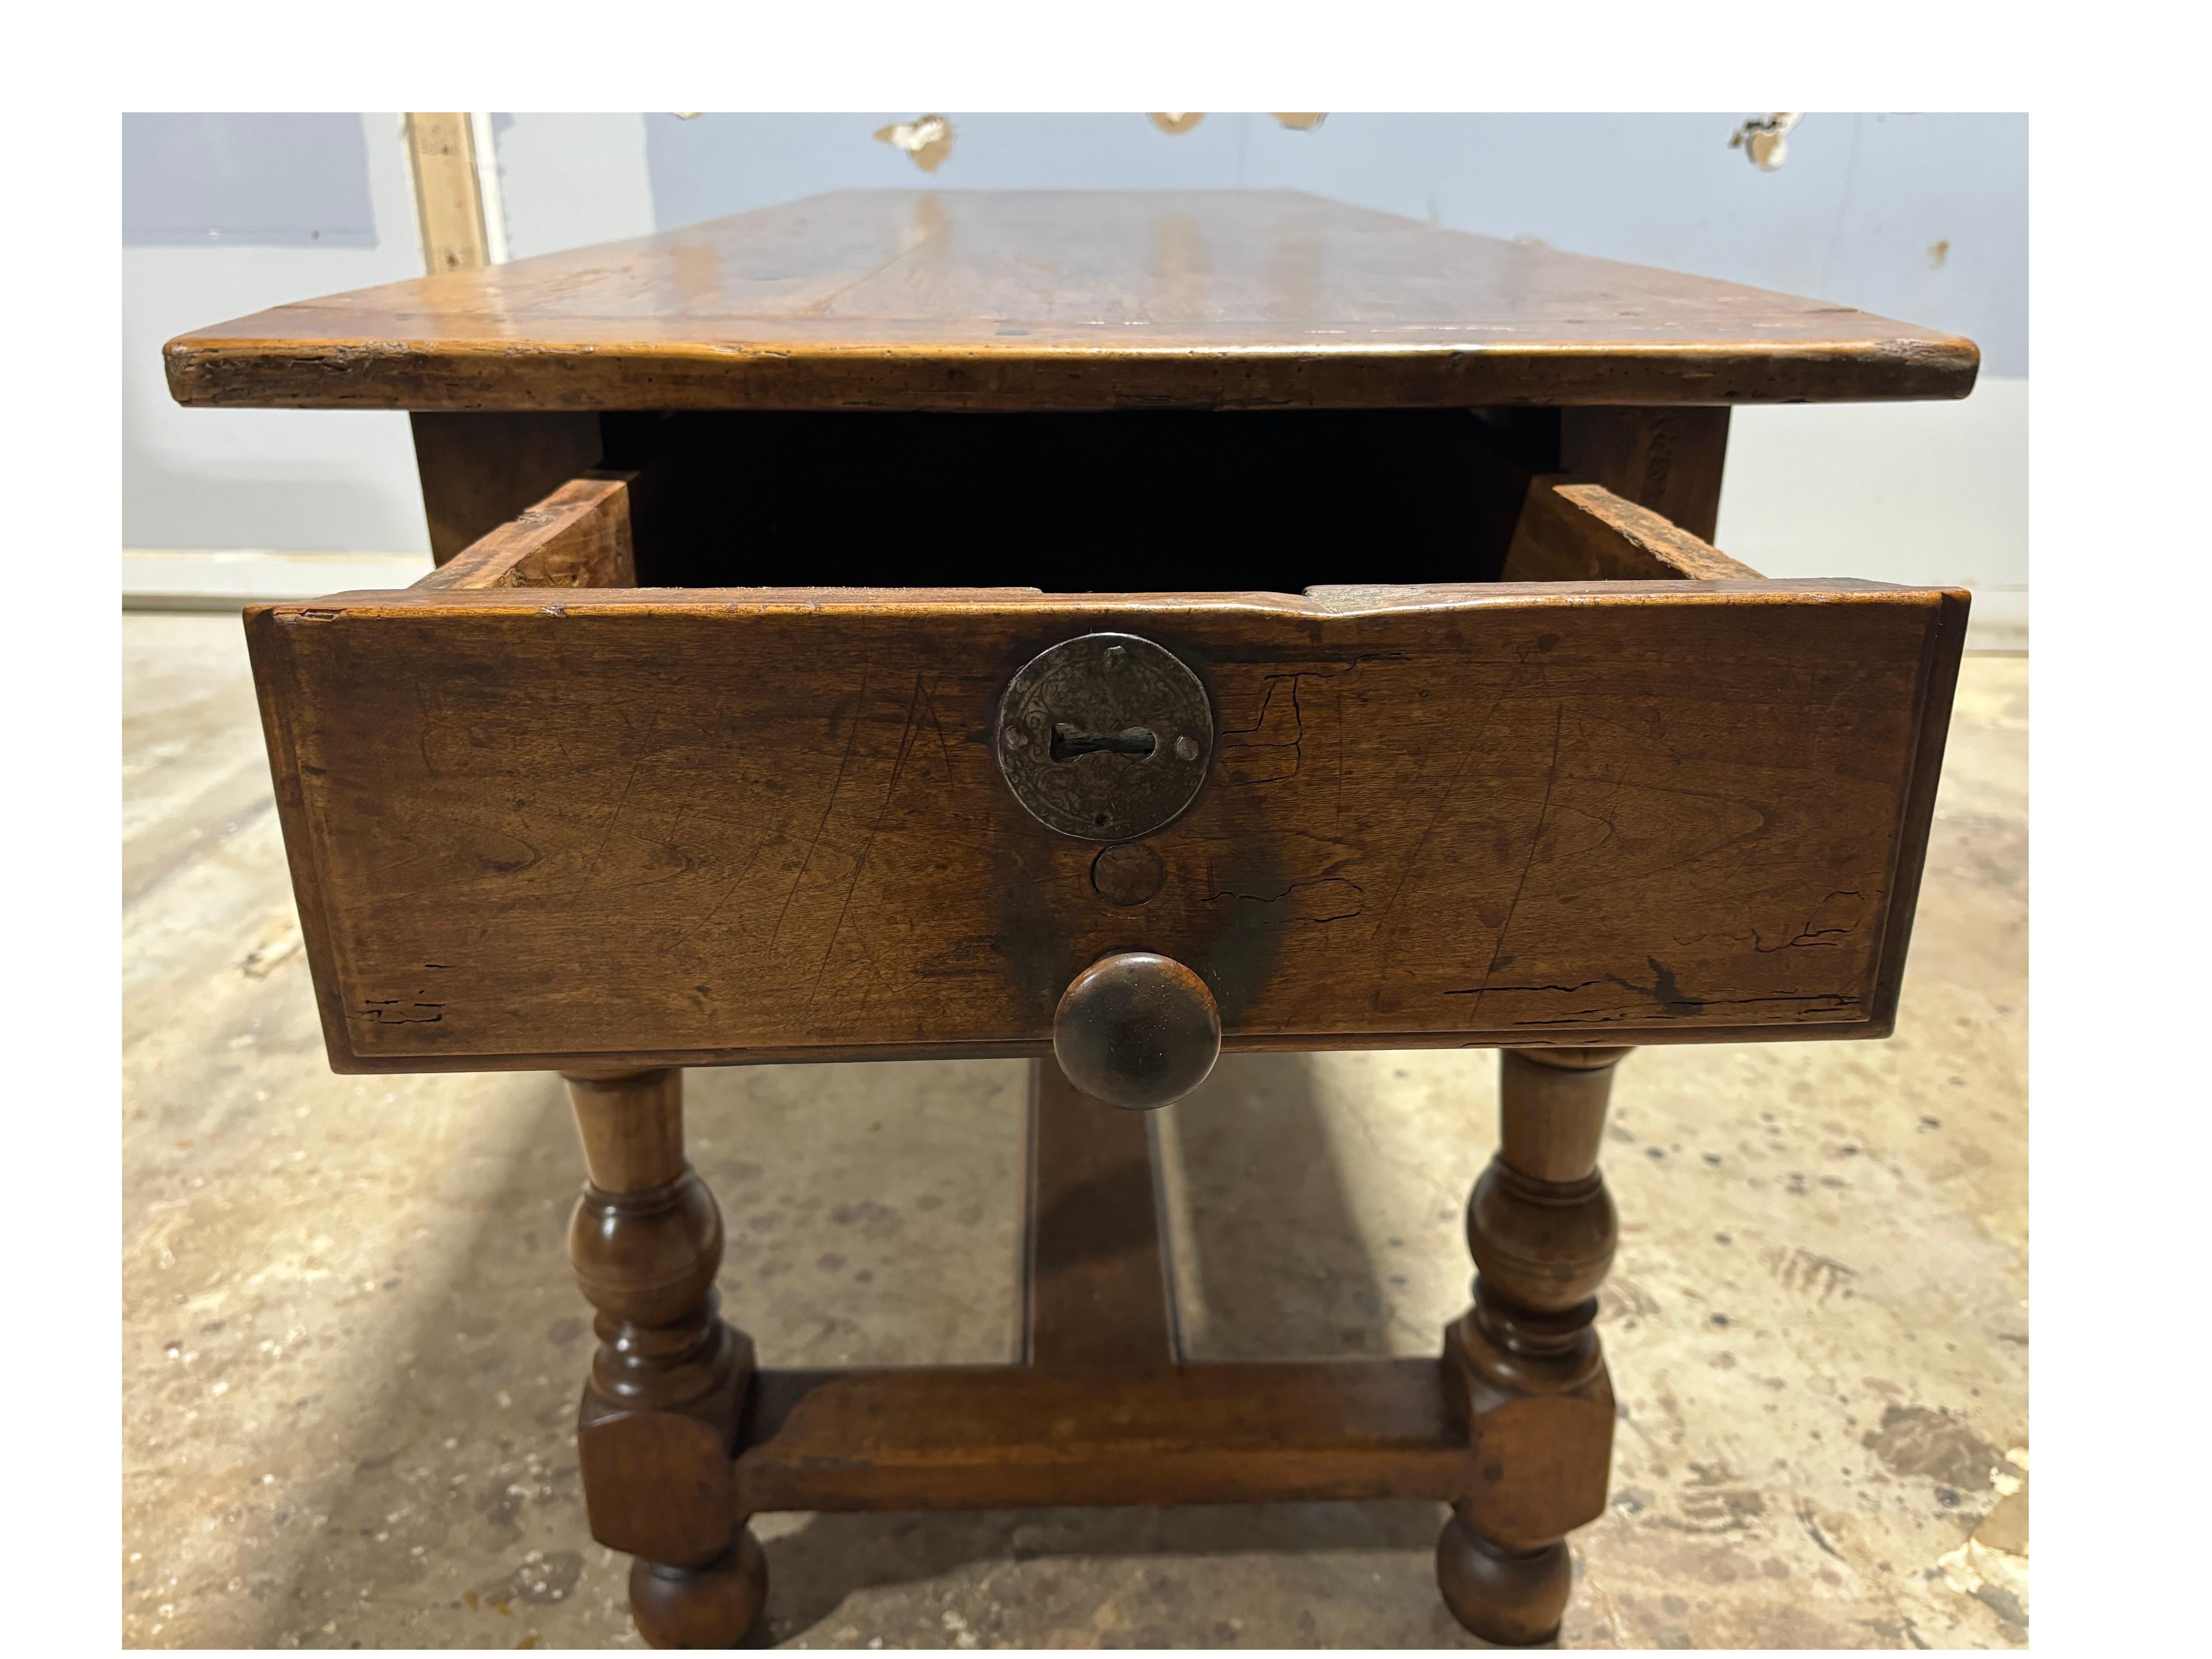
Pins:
x: 1627, y: 792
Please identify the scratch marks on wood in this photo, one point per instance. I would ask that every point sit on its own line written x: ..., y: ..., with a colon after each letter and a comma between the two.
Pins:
x: 1812, y: 936
x: 937, y: 725
x: 615, y: 813
x: 752, y: 857
x: 1498, y: 956
x: 844, y: 764
x: 1664, y: 992
x: 596, y: 821
x: 1320, y: 900
x: 906, y: 733
x: 1485, y: 987
x: 1273, y: 748
x: 1379, y: 1001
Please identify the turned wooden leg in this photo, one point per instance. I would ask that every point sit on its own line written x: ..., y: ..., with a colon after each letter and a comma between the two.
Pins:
x: 659, y: 1416
x: 1522, y: 1367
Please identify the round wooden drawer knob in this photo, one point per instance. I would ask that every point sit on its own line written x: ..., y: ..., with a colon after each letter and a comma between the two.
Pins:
x: 1137, y: 1031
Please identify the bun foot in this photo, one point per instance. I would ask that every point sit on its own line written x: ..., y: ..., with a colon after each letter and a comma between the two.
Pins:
x: 1515, y: 1598
x: 715, y: 1605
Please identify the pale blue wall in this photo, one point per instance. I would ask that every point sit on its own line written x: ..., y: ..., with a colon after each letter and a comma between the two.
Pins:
x: 1854, y: 215
x: 255, y: 180
x: 286, y: 479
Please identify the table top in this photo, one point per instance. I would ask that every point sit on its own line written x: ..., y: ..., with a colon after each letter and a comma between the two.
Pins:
x: 1070, y: 300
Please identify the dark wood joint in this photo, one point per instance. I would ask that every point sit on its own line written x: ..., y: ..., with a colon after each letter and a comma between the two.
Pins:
x: 1539, y: 1460
x: 480, y: 468
x: 1668, y: 457
x: 658, y: 1484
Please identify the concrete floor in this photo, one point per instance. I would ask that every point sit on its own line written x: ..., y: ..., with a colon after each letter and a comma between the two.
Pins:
x: 351, y: 1347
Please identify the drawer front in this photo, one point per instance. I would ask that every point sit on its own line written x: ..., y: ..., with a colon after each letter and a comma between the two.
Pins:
x: 672, y: 826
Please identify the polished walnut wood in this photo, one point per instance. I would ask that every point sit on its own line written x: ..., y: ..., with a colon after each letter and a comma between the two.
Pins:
x: 1097, y: 1284
x: 715, y: 1605
x: 1542, y: 1229
x: 616, y: 825
x: 577, y: 537
x: 669, y: 1379
x: 1668, y: 459
x: 1070, y: 300
x: 1514, y: 1598
x: 478, y: 471
x: 1573, y: 531
x: 966, y: 1437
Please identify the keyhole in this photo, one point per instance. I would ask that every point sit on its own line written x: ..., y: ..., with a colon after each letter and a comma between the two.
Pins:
x: 1068, y: 741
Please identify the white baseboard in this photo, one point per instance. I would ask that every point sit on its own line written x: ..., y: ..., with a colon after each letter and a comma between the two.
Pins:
x: 163, y: 578
x: 1998, y: 621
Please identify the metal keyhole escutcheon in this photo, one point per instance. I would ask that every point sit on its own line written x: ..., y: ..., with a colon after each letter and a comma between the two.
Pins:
x: 1106, y: 737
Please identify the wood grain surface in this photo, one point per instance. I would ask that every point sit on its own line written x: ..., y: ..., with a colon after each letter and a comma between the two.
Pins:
x: 1062, y: 300
x: 1003, y: 1437
x: 552, y: 828
x: 1573, y: 531
x: 1667, y: 460
x: 577, y: 537
x: 478, y: 471
x: 1099, y: 1299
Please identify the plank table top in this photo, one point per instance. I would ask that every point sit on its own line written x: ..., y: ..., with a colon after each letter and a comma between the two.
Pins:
x: 1059, y: 300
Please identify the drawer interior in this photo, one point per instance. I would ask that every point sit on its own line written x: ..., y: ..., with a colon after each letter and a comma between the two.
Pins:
x: 1130, y: 501
x: 1150, y: 502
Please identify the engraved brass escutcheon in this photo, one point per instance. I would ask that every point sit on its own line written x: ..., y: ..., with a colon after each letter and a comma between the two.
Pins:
x: 1106, y: 737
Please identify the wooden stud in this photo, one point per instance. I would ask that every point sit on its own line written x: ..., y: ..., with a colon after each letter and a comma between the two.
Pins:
x: 448, y: 196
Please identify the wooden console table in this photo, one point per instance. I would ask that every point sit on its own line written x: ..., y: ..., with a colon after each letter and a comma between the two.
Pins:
x: 1107, y: 629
